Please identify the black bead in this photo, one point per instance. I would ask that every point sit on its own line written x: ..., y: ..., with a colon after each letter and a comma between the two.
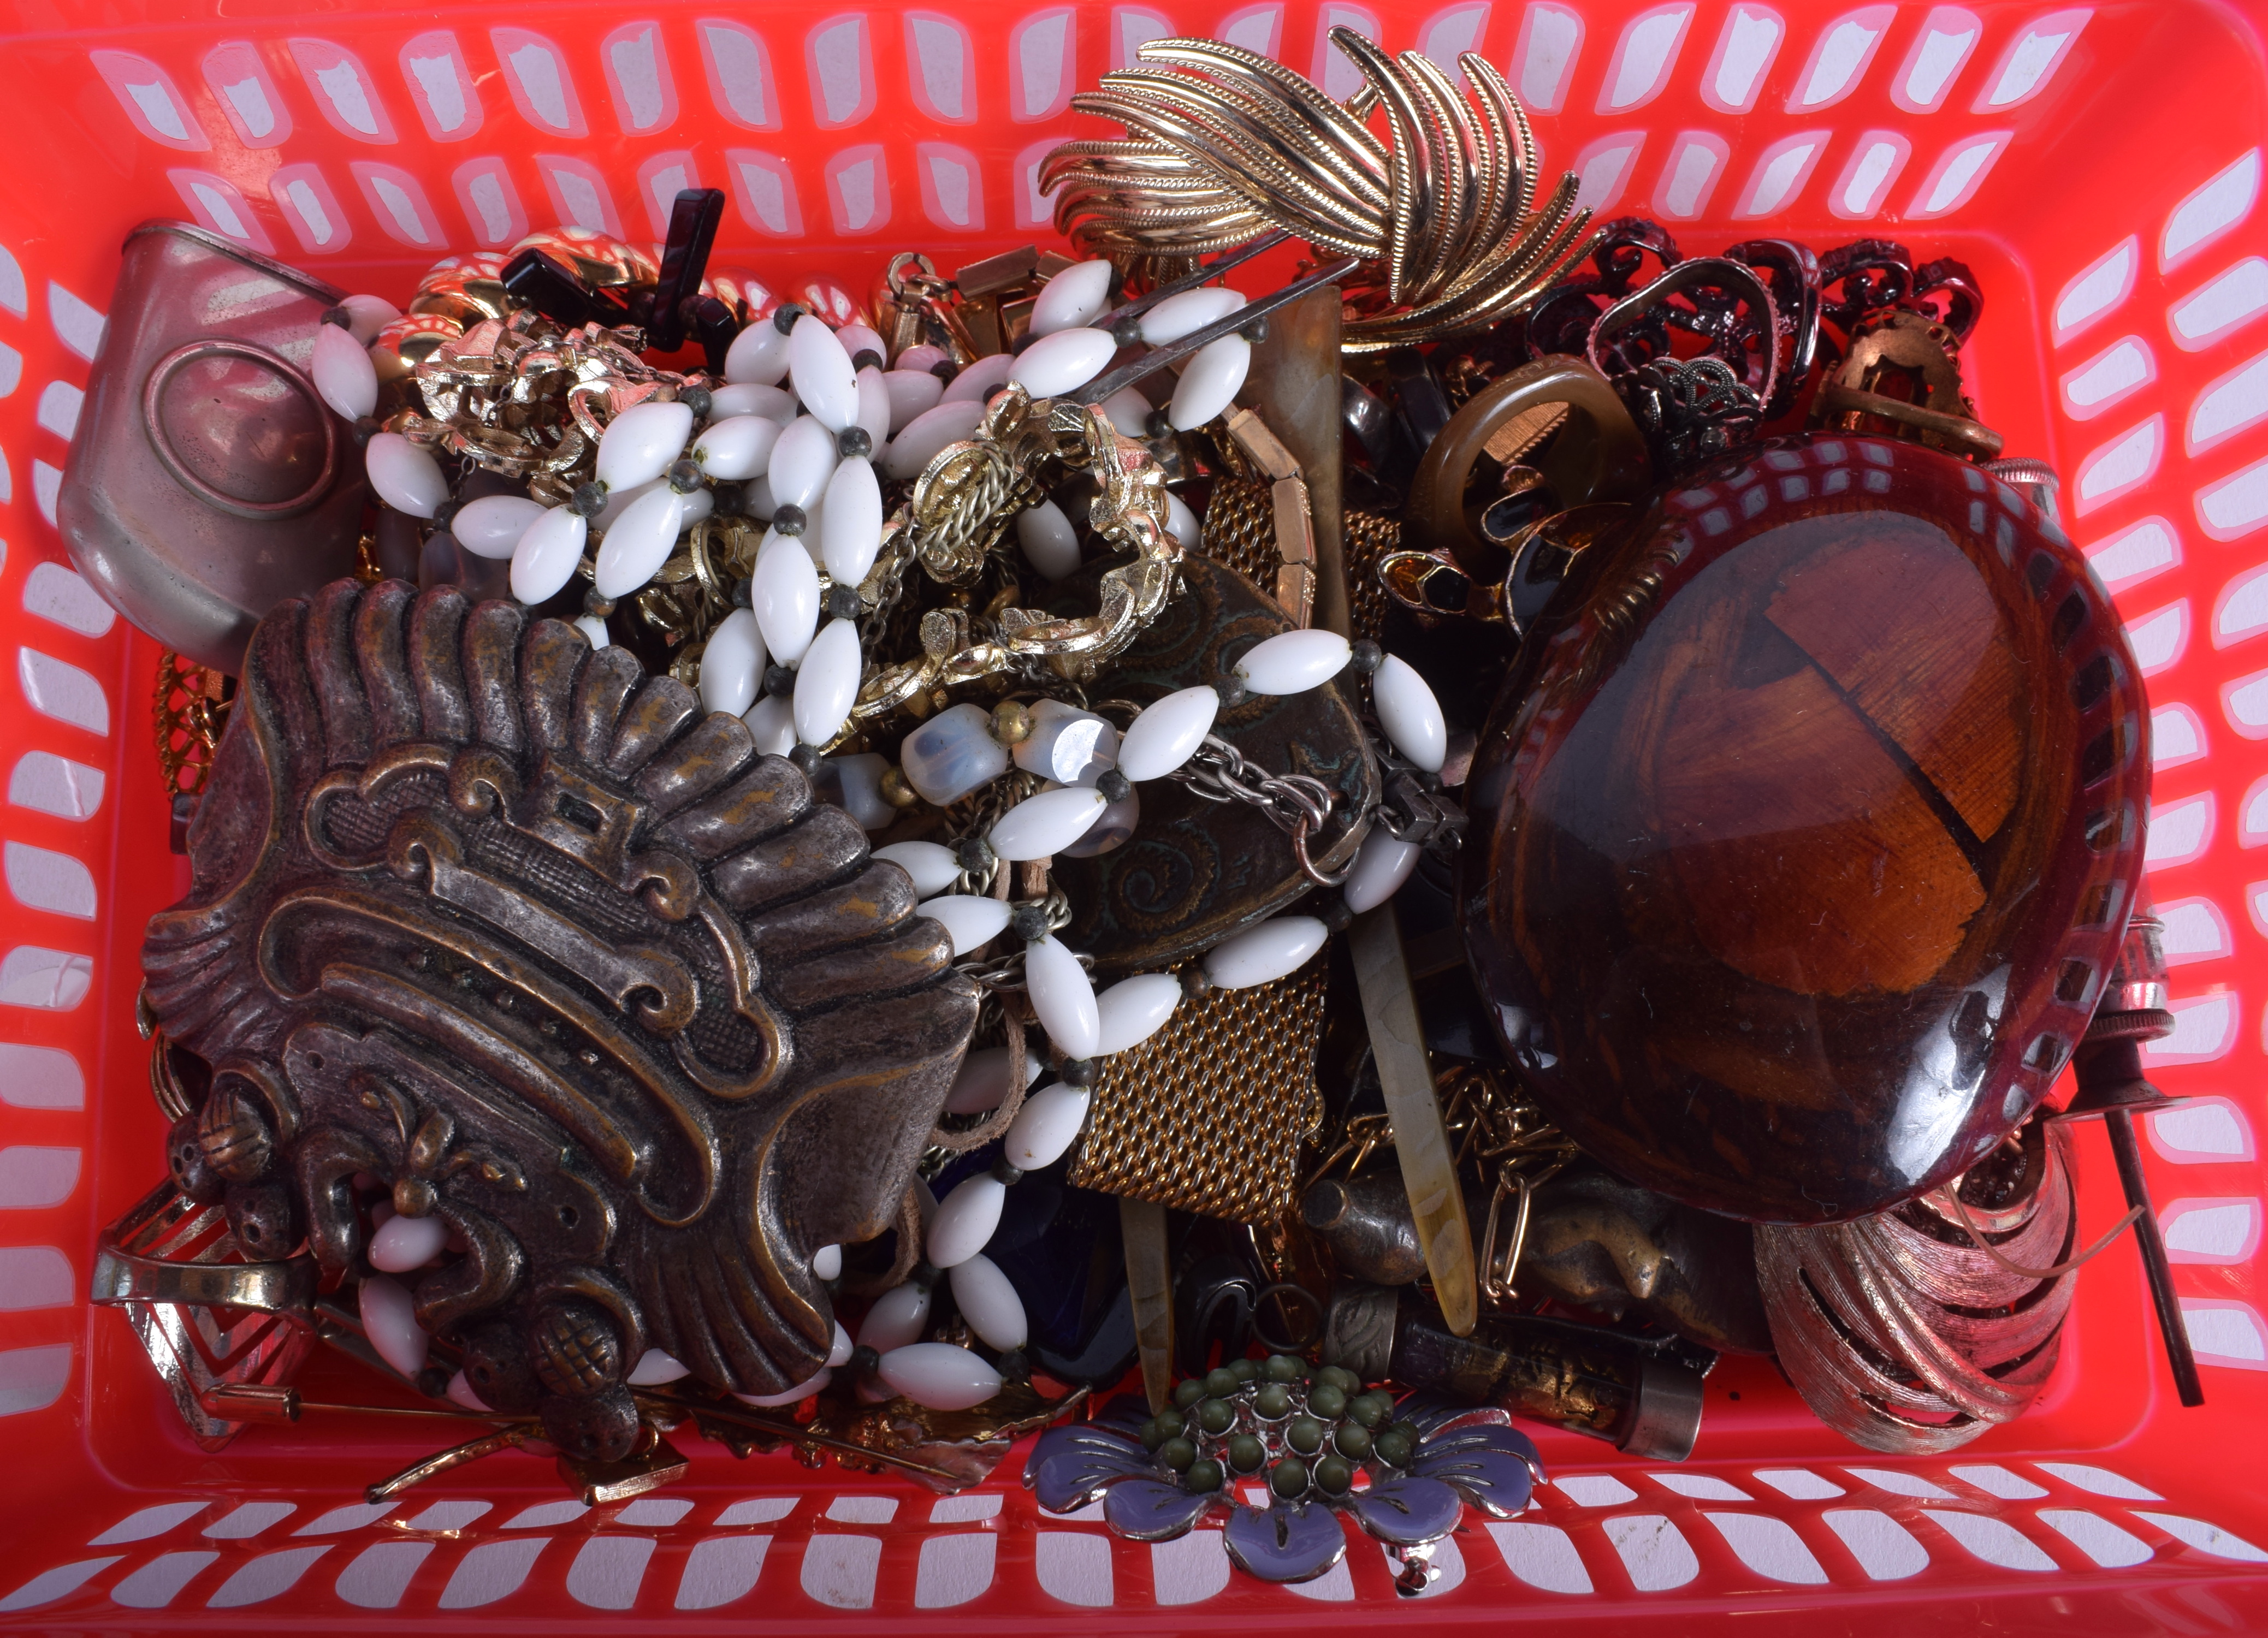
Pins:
x: 807, y: 758
x: 1367, y: 656
x: 433, y: 1382
x: 1014, y: 1365
x: 590, y: 499
x: 785, y: 316
x: 1076, y: 1071
x: 924, y: 1274
x: 697, y: 399
x: 1256, y: 332
x: 1232, y: 690
x: 853, y: 441
x: 1334, y: 915
x: 777, y: 679
x: 790, y: 520
x: 743, y: 594
x: 1196, y: 982
x: 974, y: 854
x: 338, y: 316
x: 728, y: 499
x: 1030, y: 921
x: 1113, y: 786
x: 866, y: 358
x: 863, y: 1361
x: 1126, y: 331
x: 1160, y: 424
x: 1007, y: 1174
x: 594, y: 604
x: 843, y: 602
x: 944, y: 371
x: 685, y: 476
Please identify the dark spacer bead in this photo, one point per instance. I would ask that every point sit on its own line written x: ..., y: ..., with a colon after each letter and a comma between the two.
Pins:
x: 1114, y: 785
x: 854, y: 441
x: 590, y: 499
x: 594, y: 604
x: 445, y: 513
x: 866, y: 358
x: 779, y: 679
x: 743, y: 594
x: 1196, y: 982
x: 807, y: 758
x: 790, y: 520
x: 1334, y: 915
x: 1256, y: 332
x: 728, y: 499
x: 1232, y: 690
x: 924, y: 1274
x: 1030, y: 921
x: 974, y: 854
x: 843, y: 602
x: 785, y: 316
x: 1126, y: 331
x: 1367, y: 656
x: 1076, y: 1072
x: 944, y: 371
x: 1006, y: 1174
x: 1014, y: 1365
x: 338, y: 316
x: 1160, y: 425
x: 697, y: 399
x: 433, y: 1382
x: 863, y: 1361
x: 685, y: 476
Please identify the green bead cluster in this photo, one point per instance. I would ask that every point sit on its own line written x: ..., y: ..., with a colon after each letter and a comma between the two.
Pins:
x: 1310, y: 1431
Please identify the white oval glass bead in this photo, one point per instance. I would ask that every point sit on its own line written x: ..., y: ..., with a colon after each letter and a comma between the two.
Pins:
x: 1041, y: 826
x: 343, y: 373
x: 977, y: 383
x: 874, y: 407
x: 1128, y: 411
x: 1064, y: 361
x: 982, y: 1081
x: 1293, y: 662
x: 1260, y: 954
x: 952, y: 753
x: 620, y: 500
x: 795, y: 1395
x: 1050, y: 544
x: 771, y: 725
x: 698, y: 504
x: 756, y: 498
x: 1381, y: 865
x: 1114, y: 829
x: 639, y: 444
x: 405, y: 476
x: 733, y: 665
x: 922, y: 356
x: 1210, y: 382
x: 740, y: 447
x: 749, y: 398
x: 939, y: 1376
x: 1191, y: 311
x: 965, y: 1220
x: 758, y: 354
x: 1063, y: 996
x: 859, y: 338
x: 1067, y: 744
x: 389, y: 1320
x: 784, y: 592
x: 1410, y: 714
x: 1168, y: 733
x: 854, y: 783
x: 1076, y: 297
x: 655, y: 1368
x: 594, y: 632
x: 802, y: 462
x: 931, y: 868
x: 1133, y: 1009
x: 971, y: 921
x: 851, y: 531
x: 989, y: 1303
x: 367, y: 315
x: 896, y: 1318
x: 1045, y: 1126
x: 1184, y: 523
x: 461, y: 1392
x: 820, y: 370
x: 912, y: 392
x: 839, y: 1354
x: 826, y: 682
x: 492, y: 525
x: 634, y: 550
x: 926, y: 434
x: 406, y: 1243
x: 827, y: 1264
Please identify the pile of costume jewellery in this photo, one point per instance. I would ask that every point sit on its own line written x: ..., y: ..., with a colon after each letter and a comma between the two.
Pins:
x: 1448, y: 842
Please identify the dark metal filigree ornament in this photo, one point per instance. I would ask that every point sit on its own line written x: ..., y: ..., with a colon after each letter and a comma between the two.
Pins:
x: 521, y: 933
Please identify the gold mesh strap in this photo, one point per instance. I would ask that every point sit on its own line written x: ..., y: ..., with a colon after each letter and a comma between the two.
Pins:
x: 1369, y: 538
x: 1208, y: 1114
x: 188, y: 708
x: 1239, y: 528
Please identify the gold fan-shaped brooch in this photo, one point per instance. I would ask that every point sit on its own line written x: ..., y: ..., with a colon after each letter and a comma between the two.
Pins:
x: 1224, y: 145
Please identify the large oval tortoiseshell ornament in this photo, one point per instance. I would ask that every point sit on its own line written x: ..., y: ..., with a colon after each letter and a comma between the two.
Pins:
x: 1806, y: 829
x: 516, y: 929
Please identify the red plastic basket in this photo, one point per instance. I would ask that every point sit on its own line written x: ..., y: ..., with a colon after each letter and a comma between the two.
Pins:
x: 2098, y: 165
